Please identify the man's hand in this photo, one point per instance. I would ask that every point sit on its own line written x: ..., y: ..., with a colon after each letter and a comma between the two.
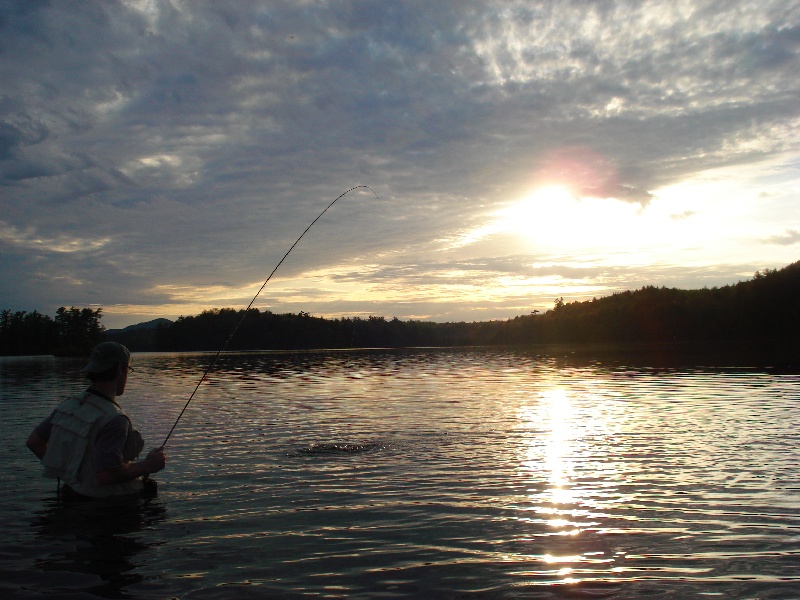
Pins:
x: 156, y: 460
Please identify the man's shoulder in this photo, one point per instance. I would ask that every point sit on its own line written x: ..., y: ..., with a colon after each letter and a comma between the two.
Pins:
x: 118, y: 422
x: 76, y: 409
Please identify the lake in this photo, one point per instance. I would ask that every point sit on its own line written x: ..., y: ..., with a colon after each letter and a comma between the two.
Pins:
x: 420, y: 474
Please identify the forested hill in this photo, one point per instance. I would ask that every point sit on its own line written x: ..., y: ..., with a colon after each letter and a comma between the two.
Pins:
x: 763, y: 309
x: 766, y: 307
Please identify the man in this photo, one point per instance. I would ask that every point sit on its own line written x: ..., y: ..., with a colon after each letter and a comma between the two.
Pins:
x: 89, y: 443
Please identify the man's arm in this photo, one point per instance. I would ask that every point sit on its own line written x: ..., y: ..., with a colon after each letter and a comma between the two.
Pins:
x: 37, y: 444
x: 37, y: 440
x: 108, y: 454
x: 155, y: 460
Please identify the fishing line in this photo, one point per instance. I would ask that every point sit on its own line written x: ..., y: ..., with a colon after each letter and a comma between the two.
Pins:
x: 249, y: 306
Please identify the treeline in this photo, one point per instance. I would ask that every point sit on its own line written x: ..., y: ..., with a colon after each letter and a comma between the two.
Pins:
x: 269, y: 331
x: 764, y: 309
x: 73, y: 331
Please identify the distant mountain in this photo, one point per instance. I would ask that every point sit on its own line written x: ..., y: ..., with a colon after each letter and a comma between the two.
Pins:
x: 154, y: 324
x: 140, y: 337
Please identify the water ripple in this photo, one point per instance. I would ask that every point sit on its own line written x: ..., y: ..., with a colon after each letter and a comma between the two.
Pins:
x: 443, y: 473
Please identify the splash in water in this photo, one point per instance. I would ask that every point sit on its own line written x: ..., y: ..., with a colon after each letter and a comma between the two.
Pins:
x: 341, y: 448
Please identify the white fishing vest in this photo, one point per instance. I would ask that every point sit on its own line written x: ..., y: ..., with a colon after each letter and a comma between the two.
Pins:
x: 70, y: 449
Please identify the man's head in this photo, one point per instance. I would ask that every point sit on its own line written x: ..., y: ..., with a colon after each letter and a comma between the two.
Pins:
x: 108, y: 361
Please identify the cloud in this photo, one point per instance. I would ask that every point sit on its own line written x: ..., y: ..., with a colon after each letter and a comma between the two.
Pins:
x: 29, y: 239
x: 789, y: 238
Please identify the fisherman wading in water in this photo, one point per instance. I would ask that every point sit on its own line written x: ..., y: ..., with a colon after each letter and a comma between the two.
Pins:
x: 89, y: 444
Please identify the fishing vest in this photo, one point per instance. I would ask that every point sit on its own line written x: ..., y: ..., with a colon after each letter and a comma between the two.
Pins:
x: 70, y: 449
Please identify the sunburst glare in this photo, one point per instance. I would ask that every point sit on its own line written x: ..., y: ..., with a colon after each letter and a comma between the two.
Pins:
x: 556, y: 218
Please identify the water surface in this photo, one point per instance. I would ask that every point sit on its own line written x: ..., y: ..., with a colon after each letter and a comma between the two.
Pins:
x: 425, y: 473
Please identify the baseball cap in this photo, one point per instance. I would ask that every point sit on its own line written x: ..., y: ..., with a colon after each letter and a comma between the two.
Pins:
x: 105, y: 355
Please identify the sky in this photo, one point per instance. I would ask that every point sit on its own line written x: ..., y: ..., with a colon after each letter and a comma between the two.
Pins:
x: 159, y: 157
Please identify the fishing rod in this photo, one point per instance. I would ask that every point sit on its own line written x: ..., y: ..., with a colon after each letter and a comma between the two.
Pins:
x: 249, y: 306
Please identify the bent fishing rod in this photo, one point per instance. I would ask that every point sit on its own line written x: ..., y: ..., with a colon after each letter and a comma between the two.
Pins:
x: 249, y: 306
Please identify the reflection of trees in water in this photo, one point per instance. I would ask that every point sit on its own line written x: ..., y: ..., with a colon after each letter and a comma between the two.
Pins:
x: 97, y: 538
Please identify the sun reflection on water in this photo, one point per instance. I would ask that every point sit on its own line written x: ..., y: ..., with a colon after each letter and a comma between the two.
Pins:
x: 558, y: 412
x: 560, y: 447
x: 550, y: 454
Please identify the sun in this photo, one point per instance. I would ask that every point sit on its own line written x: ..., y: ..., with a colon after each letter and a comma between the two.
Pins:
x: 545, y: 203
x: 556, y: 218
